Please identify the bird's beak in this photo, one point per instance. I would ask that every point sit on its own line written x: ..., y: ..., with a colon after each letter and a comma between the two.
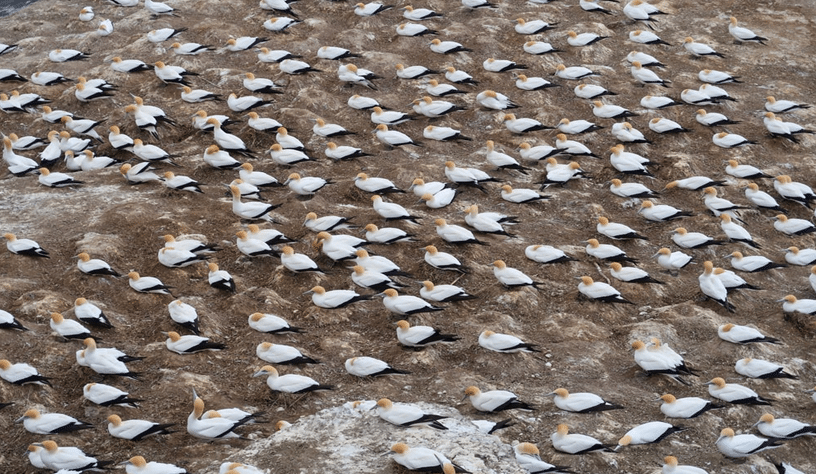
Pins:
x: 260, y: 373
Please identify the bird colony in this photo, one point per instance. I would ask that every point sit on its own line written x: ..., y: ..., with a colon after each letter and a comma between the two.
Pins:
x: 482, y: 236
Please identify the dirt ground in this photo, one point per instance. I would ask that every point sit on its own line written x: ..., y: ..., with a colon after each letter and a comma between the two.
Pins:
x: 585, y: 346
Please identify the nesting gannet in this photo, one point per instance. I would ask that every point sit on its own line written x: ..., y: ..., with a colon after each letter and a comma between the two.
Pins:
x: 660, y: 212
x: 106, y: 395
x: 253, y: 247
x: 572, y: 147
x: 692, y: 240
x: 21, y: 373
x: 631, y: 274
x: 688, y: 407
x: 56, y: 457
x: 443, y: 260
x: 793, y: 190
x: 580, y: 402
x: 421, y: 458
x: 783, y: 428
x: 645, y: 37
x: 436, y: 89
x: 761, y: 369
x: 386, y: 235
x: 443, y: 293
x: 339, y: 247
x: 521, y: 195
x: 793, y: 226
x: 455, y: 234
x: 106, y: 360
x: 742, y: 34
x: 527, y: 457
x: 488, y: 222
x: 734, y: 393
x: 272, y: 324
x: 391, y: 211
x: 731, y: 140
x: 600, y: 291
x: 68, y: 328
x: 657, y: 102
x: 281, y: 354
x: 534, y: 83
x: 630, y: 190
x: 607, y: 252
x: 378, y: 263
x: 564, y: 441
x: 501, y: 65
x: 8, y: 321
x: 744, y: 445
x: 790, y: 304
x: 434, y: 108
x: 443, y: 134
x: 511, y: 277
x: 289, y: 383
x: 583, y: 39
x: 591, y: 91
x: 184, y: 314
x: 505, y: 343
x: 660, y: 361
x: 616, y: 231
x: 24, y: 246
x: 335, y: 299
x: 405, y: 415
x: 574, y: 127
x: 573, y: 73
x: 135, y: 430
x: 647, y: 433
x: 546, y: 254
x: 494, y: 401
x: 601, y: 110
x: 752, y: 263
x: 220, y: 279
x: 55, y: 179
x: 421, y: 336
x: 189, y: 344
x: 713, y: 287
x: 370, y: 367
x: 406, y: 305
x: 240, y: 468
x: 51, y: 423
x: 781, y: 106
x: 414, y: 29
x: 213, y: 426
x: 694, y: 183
x: 147, y: 284
x: 742, y: 334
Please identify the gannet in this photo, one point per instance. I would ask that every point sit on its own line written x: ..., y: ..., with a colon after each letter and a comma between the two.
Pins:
x: 591, y: 91
x: 626, y: 133
x: 494, y: 401
x: 790, y: 304
x: 339, y: 247
x: 455, y: 234
x: 607, y: 252
x: 135, y: 430
x: 177, y: 258
x: 213, y: 426
x: 418, y: 14
x: 392, y: 138
x: 289, y: 383
x: 532, y: 27
x: 580, y: 402
x: 569, y: 443
x: 220, y: 279
x: 184, y: 315
x: 24, y: 246
x: 583, y: 39
x: 56, y: 179
x: 89, y: 313
x: 713, y: 287
x: 778, y: 128
x: 447, y: 47
x: 630, y: 190
x: 375, y: 185
x: 631, y: 274
x: 527, y: 457
x: 372, y: 279
x: 638, y: 10
x: 536, y: 153
x: 443, y: 293
x: 91, y: 162
x: 8, y: 321
x: 783, y: 428
x: 476, y: 4
x: 688, y: 407
x: 420, y: 187
x: 286, y: 156
x: 572, y: 147
x: 370, y: 9
x: 614, y: 230
x: 491, y: 99
x: 731, y: 140
x: 573, y: 73
x: 244, y: 43
x: 180, y: 182
x: 521, y: 195
x: 434, y: 108
x: 743, y: 445
x: 56, y: 457
x: 793, y: 190
x: 378, y: 263
x: 151, y: 153
x: 658, y: 102
x: 405, y: 415
x: 279, y: 24
x: 51, y: 423
x: 699, y: 49
x: 600, y: 291
x: 41, y: 78
x: 660, y: 360
x: 147, y: 284
x: 779, y: 106
x: 436, y: 89
x: 391, y: 211
x: 244, y: 103
x: 592, y: 7
x: 260, y: 85
x: 501, y: 65
x: 761, y: 369
x: 421, y: 458
x: 421, y: 336
x: 371, y: 367
x: 335, y: 299
x: 647, y: 433
x: 793, y: 226
x: 7, y: 48
x: 511, y: 277
x: 18, y: 165
x: 752, y: 263
x: 68, y: 328
x: 522, y: 125
x: 742, y: 34
x: 660, y: 212
x: 106, y: 360
x: 189, y: 344
x: 272, y: 324
x: 601, y: 110
x: 742, y: 334
x: 414, y: 29
x: 406, y: 305
x: 21, y: 373
x: 488, y: 222
x: 574, y: 127
x: 267, y: 55
x: 734, y: 393
x: 645, y: 37
x: 253, y: 247
x: 443, y: 134
x: 439, y: 200
x: 281, y: 354
x: 63, y: 55
x: 106, y: 395
x: 443, y: 260
x: 546, y: 254
x: 139, y: 173
x: 628, y: 162
x: 532, y: 83
x: 240, y: 468
x: 326, y: 223
x: 305, y: 186
x: 692, y: 240
x: 386, y: 235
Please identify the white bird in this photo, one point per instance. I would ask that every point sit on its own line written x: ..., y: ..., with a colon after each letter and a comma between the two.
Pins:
x: 414, y: 29
x: 512, y: 277
x: 177, y: 258
x: 443, y: 260
x: 139, y: 465
x: 147, y: 284
x: 761, y: 369
x: 546, y: 254
x: 253, y: 247
x: 782, y: 106
x: 213, y: 426
x: 494, y: 401
x: 243, y: 43
x: 281, y: 354
x: 405, y: 415
x: 455, y: 234
x: 647, y: 76
x: 734, y: 393
x: 440, y: 199
x: 564, y: 441
x: 606, y: 252
x: 184, y: 315
x: 386, y: 235
x: 372, y: 279
x: 289, y: 383
x: 660, y: 212
x: 645, y: 37
x: 688, y: 407
x: 501, y: 65
x: 335, y: 299
x: 391, y: 211
x: 392, y: 138
x: 583, y: 39
x: 601, y: 110
x: 793, y: 190
x: 56, y: 457
x: 572, y: 147
x: 278, y: 24
x: 220, y: 279
x: 660, y: 359
x: 742, y: 34
x: 56, y: 179
x: 50, y: 423
x: 793, y: 226
x: 370, y: 367
x: 742, y: 334
x: 590, y: 91
x: 305, y: 186
x: 730, y: 140
x: 135, y: 430
x: 713, y: 287
x: 699, y: 49
x: 421, y: 458
x: 406, y: 305
x: 24, y: 246
x: 180, y: 182
x: 574, y: 127
x: 630, y: 274
x: 21, y: 373
x: 658, y: 102
x: 532, y: 27
x: 573, y: 73
x: 107, y: 395
x: 527, y: 455
x: 447, y: 47
x: 783, y: 428
x: 521, y: 195
x: 421, y: 336
x: 615, y: 231
x: 752, y: 263
x: 189, y: 344
x: 68, y: 328
x: 272, y: 324
x: 744, y: 445
x: 600, y: 291
x: 647, y: 433
x: 522, y: 125
x: 504, y: 343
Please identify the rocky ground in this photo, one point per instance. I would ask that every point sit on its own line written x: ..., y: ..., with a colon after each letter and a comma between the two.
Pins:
x: 584, y: 345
